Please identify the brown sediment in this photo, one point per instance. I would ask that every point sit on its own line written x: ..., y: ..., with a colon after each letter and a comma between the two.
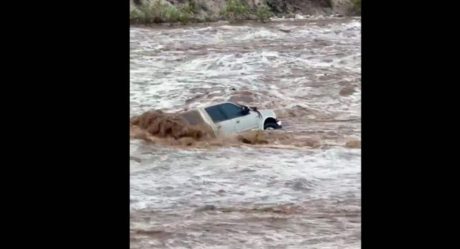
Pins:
x: 253, y: 138
x: 312, y: 142
x: 167, y: 125
x: 243, y: 97
x: 298, y: 111
x: 280, y: 209
x: 354, y: 144
x: 171, y: 129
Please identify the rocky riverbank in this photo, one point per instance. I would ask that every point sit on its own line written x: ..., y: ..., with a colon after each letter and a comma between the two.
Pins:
x: 185, y: 11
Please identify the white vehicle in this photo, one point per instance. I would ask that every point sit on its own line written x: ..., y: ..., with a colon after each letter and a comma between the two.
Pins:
x: 227, y: 118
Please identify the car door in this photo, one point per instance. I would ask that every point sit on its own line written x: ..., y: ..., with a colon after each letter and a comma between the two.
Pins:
x: 247, y: 122
x: 224, y: 124
x: 242, y: 122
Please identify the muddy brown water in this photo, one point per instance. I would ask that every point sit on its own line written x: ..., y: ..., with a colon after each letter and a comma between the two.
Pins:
x: 298, y: 187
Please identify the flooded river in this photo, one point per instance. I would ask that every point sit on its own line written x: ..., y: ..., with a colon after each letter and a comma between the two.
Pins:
x: 303, y: 188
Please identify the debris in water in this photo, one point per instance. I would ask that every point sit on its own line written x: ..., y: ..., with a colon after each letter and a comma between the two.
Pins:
x: 206, y: 208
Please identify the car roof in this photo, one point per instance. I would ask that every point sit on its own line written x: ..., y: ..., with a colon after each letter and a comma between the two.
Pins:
x: 226, y: 102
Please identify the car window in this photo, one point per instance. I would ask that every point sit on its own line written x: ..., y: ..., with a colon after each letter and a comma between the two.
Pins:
x: 216, y: 113
x: 231, y: 110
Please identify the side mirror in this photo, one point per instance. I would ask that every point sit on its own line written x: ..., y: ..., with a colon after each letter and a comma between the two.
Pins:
x: 244, y: 110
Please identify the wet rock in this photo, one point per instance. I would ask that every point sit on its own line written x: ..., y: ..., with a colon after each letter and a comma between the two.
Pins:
x: 277, y: 6
x: 285, y: 30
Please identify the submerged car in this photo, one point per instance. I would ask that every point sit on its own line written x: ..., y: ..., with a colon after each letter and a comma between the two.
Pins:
x: 227, y: 118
